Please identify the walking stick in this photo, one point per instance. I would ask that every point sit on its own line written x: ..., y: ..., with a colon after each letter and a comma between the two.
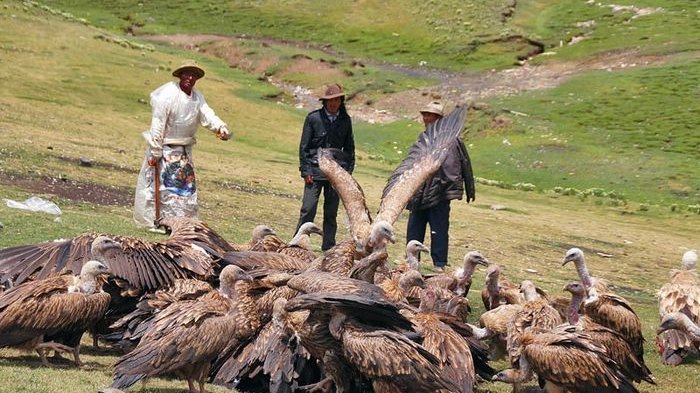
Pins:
x: 157, y: 190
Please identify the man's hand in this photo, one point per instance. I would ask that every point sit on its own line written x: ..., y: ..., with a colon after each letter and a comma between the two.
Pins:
x: 309, y: 179
x: 223, y: 134
x: 152, y: 161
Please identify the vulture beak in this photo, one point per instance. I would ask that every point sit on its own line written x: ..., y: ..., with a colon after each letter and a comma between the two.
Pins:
x: 481, y: 261
x: 565, y: 261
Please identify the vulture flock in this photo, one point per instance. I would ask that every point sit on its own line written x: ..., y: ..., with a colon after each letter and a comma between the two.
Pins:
x: 274, y: 316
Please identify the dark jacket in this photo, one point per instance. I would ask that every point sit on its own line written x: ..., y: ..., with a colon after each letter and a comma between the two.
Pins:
x: 449, y: 182
x: 319, y: 132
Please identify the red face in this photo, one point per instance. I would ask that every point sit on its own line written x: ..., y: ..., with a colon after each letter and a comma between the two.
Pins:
x: 429, y: 118
x: 187, y: 80
x: 333, y: 105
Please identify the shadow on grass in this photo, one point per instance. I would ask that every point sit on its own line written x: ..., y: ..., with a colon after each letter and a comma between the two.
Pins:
x: 34, y: 362
x: 101, y: 351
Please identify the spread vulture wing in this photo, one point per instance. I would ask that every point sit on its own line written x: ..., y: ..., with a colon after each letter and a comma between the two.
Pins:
x: 350, y: 193
x: 187, y: 253
x: 423, y: 159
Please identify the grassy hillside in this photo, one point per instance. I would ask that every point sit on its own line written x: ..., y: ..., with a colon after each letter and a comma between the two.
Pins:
x: 75, y: 92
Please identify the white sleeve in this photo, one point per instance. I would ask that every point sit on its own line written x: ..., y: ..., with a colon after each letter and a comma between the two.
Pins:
x: 160, y: 102
x: 208, y: 118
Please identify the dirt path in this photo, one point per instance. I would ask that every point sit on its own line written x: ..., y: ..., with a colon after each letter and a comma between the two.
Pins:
x: 452, y: 87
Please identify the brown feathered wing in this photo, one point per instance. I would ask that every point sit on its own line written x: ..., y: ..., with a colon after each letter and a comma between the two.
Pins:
x: 423, y: 159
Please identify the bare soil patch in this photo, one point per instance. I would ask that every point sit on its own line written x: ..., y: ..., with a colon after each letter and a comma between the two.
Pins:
x: 71, y: 189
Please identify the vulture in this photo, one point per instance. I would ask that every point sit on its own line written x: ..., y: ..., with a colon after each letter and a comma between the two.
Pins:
x: 494, y: 327
x: 566, y: 361
x: 681, y: 294
x: 128, y: 330
x: 37, y: 314
x: 680, y: 321
x: 499, y: 290
x: 618, y: 349
x: 352, y: 332
x: 535, y: 314
x: 186, y: 337
x: 398, y: 285
x: 461, y: 280
x: 450, y: 348
x: 340, y: 259
x: 273, y: 360
x: 423, y: 159
x: 575, y: 255
x: 413, y: 250
x: 614, y: 312
x: 366, y: 268
x: 264, y: 239
x: 300, y: 245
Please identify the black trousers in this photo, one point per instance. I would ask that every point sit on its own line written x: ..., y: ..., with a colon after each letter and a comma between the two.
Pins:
x: 438, y: 217
x: 309, y: 205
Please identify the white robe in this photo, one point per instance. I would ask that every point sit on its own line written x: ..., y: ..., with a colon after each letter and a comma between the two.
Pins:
x: 176, y: 117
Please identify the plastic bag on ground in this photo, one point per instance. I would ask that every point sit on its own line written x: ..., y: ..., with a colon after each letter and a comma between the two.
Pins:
x: 34, y: 204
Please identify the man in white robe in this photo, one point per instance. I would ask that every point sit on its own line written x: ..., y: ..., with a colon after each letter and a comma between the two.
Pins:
x: 178, y: 110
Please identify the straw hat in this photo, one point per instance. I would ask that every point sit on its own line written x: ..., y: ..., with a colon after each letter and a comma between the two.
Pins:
x: 435, y: 108
x: 189, y: 66
x: 332, y: 91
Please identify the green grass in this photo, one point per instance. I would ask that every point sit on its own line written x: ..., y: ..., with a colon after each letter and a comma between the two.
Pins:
x: 631, y: 131
x: 72, y: 95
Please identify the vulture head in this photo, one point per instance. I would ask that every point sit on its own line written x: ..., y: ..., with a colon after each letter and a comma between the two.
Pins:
x: 509, y: 375
x: 690, y: 260
x: 413, y: 250
x: 308, y: 228
x: 260, y: 231
x: 576, y: 289
x: 414, y: 247
x: 229, y: 276
x: 101, y: 245
x: 573, y: 255
x: 382, y: 233
x: 527, y: 288
x: 90, y: 279
x: 410, y: 279
x: 492, y: 273
x: 474, y: 258
x: 93, y: 269
x: 675, y: 320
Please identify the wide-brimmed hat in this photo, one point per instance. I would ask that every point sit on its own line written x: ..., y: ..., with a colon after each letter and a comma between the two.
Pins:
x: 332, y: 91
x: 435, y: 108
x: 189, y: 66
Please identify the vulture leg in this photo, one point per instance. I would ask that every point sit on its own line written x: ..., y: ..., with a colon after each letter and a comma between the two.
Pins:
x: 42, y: 356
x: 76, y: 356
x: 190, y: 386
x: 323, y: 386
x: 43, y: 348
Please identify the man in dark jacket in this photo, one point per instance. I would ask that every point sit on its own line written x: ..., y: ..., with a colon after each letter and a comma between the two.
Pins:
x: 327, y: 127
x: 431, y: 203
